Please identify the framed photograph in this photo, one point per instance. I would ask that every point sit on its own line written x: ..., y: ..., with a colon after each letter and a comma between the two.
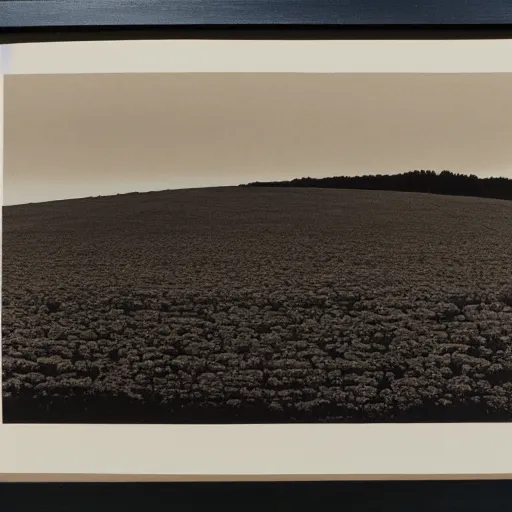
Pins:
x: 257, y: 260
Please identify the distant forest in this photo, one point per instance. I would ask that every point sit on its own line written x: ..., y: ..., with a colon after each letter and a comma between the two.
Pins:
x: 430, y: 182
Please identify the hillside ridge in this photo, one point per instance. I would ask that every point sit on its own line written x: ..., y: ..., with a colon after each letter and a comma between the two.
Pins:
x: 425, y: 181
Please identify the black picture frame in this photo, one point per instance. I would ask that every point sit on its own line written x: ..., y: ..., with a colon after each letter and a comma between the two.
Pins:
x: 56, y: 20
x: 356, y: 496
x: 342, y: 13
x: 45, y: 34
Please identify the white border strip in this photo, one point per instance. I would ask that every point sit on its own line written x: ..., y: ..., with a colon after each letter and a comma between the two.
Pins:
x: 186, y: 56
x: 236, y: 452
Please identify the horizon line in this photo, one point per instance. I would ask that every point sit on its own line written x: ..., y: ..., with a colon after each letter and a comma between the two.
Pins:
x: 78, y: 198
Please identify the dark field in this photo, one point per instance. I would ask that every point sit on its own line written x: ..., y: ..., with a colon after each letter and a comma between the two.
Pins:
x: 258, y: 305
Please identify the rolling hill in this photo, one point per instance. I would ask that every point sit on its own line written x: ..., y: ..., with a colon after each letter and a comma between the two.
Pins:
x: 258, y: 304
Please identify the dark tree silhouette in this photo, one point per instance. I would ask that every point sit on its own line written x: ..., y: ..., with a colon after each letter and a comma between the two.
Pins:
x: 426, y: 181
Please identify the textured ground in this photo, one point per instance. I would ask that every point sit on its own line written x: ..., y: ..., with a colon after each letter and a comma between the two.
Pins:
x: 258, y: 305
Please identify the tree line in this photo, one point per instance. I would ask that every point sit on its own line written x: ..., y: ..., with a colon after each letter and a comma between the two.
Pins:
x: 426, y: 181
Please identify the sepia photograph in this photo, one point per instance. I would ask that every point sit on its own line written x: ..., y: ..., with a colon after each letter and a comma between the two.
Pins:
x: 228, y: 248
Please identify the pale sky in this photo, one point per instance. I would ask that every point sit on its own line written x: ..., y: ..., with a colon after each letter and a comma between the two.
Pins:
x: 85, y: 135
